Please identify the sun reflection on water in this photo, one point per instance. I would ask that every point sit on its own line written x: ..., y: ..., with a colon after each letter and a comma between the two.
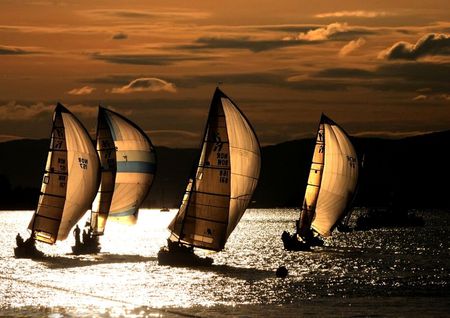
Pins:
x: 126, y: 278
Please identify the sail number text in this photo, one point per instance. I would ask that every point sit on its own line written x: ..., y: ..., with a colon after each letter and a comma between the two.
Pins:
x: 222, y: 160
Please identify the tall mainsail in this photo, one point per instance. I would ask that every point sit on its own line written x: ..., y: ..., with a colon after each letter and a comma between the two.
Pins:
x: 128, y: 164
x: 332, y: 179
x: 70, y: 181
x: 221, y: 185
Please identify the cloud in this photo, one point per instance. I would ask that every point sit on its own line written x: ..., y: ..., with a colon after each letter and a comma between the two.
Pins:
x: 85, y: 90
x: 351, y: 46
x: 146, y: 59
x: 430, y: 44
x: 9, y: 50
x: 356, y: 14
x: 342, y: 72
x: 141, y: 14
x: 322, y: 33
x: 420, y: 97
x: 120, y: 36
x: 14, y: 111
x: 150, y: 84
x: 244, y: 43
x: 434, y: 97
x: 17, y: 112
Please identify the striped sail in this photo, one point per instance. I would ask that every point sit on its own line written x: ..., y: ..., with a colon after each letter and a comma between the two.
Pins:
x: 128, y: 167
x: 223, y: 182
x: 70, y: 179
x: 333, y: 175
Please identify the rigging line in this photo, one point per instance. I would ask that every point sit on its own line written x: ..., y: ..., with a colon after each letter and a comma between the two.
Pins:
x: 67, y: 290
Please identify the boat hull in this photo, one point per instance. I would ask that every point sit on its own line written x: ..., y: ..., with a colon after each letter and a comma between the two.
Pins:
x: 26, y: 252
x: 86, y: 249
x: 184, y: 259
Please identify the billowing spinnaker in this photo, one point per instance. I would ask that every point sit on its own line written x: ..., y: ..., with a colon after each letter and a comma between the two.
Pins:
x: 339, y: 179
x: 221, y: 188
x: 70, y: 180
x: 245, y: 158
x: 135, y: 164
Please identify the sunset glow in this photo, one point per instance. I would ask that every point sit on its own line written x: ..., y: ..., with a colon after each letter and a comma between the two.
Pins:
x: 380, y: 68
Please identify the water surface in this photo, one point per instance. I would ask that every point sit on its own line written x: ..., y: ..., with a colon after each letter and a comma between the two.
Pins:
x: 388, y: 272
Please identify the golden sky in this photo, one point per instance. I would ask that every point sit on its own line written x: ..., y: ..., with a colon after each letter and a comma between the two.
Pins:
x: 380, y: 68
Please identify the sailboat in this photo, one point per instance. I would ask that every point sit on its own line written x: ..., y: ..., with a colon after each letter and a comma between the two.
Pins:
x: 219, y: 188
x: 128, y: 165
x: 69, y: 184
x: 330, y: 188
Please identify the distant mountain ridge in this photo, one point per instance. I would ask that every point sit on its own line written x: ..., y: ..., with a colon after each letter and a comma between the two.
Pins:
x: 409, y: 171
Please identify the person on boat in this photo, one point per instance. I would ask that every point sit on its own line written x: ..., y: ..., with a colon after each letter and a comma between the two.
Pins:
x: 76, y: 234
x: 85, y: 236
x: 19, y: 240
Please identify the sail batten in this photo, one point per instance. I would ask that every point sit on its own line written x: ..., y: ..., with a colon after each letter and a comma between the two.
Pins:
x: 220, y: 188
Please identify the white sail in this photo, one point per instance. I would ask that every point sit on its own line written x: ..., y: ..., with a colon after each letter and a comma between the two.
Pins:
x: 128, y: 168
x: 222, y: 184
x: 70, y: 180
x: 338, y: 180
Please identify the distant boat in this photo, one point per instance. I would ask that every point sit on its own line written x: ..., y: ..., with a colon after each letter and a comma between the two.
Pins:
x: 219, y: 188
x: 330, y: 188
x: 69, y: 184
x: 128, y: 165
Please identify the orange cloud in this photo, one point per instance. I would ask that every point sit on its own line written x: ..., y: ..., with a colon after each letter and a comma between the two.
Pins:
x: 351, y: 46
x: 150, y: 84
x: 321, y: 34
x: 85, y: 90
x: 356, y: 14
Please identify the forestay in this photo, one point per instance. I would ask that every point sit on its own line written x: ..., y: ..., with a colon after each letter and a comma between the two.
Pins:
x: 128, y: 168
x: 70, y: 181
x: 223, y: 182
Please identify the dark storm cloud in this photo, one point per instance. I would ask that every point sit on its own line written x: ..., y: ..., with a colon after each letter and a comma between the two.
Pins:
x: 242, y: 43
x: 8, y: 50
x: 410, y: 76
x: 430, y: 44
x: 120, y: 36
x: 344, y: 73
x: 146, y: 59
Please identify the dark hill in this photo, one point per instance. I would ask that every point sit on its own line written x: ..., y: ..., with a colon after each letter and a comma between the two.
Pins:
x: 411, y: 171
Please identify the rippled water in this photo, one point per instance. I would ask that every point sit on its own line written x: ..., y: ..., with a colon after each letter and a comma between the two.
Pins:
x: 396, y: 272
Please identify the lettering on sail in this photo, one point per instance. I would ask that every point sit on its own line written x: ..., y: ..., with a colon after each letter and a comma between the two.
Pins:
x: 83, y: 163
x: 222, y: 161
